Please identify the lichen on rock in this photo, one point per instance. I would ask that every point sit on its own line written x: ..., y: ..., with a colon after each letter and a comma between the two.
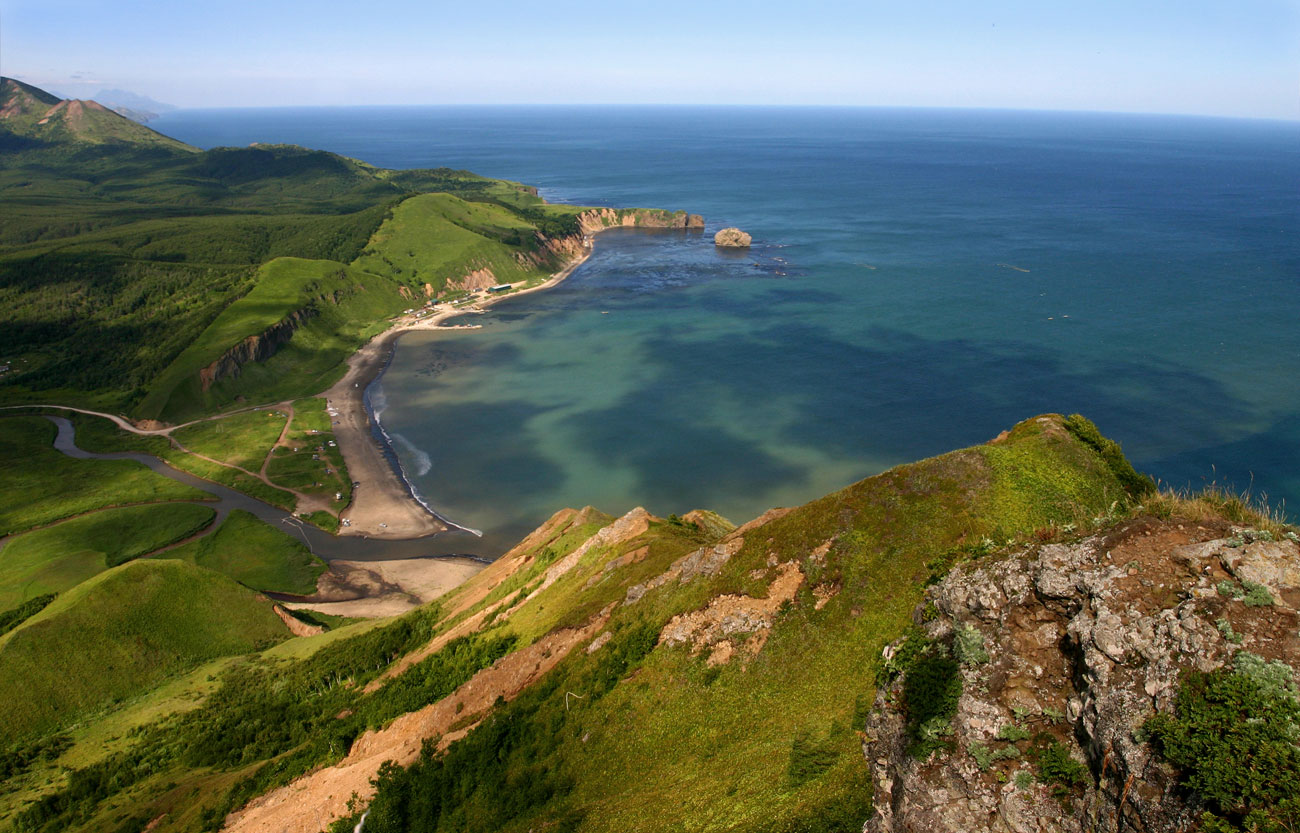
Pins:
x: 1085, y: 642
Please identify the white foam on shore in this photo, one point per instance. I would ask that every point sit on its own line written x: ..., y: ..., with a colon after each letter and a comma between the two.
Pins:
x: 376, y: 401
x: 423, y: 463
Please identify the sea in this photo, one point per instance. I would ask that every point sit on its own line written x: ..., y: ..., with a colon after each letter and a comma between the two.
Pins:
x: 920, y: 280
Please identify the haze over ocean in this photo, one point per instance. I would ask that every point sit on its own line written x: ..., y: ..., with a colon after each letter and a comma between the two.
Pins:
x: 920, y: 281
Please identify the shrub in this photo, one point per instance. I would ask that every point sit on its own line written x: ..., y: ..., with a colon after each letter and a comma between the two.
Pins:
x: 1013, y: 733
x: 968, y: 646
x: 1225, y: 628
x: 1057, y: 768
x: 1256, y: 595
x: 1230, y: 589
x: 1232, y: 738
x: 931, y: 691
x: 892, y: 667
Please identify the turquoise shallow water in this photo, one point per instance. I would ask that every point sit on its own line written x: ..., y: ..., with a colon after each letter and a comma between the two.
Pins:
x: 920, y: 281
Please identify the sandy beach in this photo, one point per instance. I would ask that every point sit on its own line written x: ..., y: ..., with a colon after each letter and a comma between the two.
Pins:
x: 382, y: 505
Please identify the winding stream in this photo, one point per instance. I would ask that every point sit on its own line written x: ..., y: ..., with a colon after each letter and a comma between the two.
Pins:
x: 321, y: 543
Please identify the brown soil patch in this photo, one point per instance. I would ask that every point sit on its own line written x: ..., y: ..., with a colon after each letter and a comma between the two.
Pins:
x: 718, y: 625
x: 312, y: 802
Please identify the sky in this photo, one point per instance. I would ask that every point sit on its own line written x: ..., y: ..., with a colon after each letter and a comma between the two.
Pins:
x: 1207, y: 57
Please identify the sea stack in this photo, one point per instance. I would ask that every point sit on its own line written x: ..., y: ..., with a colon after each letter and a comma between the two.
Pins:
x: 732, y: 238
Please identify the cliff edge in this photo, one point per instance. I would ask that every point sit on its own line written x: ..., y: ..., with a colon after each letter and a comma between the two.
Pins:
x: 1026, y: 698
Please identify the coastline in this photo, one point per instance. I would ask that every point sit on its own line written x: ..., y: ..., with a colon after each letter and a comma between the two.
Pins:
x: 384, y: 504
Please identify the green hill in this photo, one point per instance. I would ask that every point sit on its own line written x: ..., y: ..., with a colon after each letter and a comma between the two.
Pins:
x: 631, y: 657
x: 120, y: 633
x: 129, y: 261
x: 29, y: 113
x: 57, y: 558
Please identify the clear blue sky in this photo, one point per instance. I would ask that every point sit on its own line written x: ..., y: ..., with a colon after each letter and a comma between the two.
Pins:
x: 1216, y: 57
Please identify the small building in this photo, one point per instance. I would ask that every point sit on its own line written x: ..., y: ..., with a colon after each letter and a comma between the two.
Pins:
x: 501, y: 287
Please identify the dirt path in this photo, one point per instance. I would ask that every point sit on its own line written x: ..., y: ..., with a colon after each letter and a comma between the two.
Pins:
x: 281, y: 442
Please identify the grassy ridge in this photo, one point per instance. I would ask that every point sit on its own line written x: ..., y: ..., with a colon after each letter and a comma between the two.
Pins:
x: 120, y: 633
x: 766, y: 743
x: 57, y: 558
x: 256, y: 555
x: 343, y: 305
x: 619, y: 759
x: 39, y: 485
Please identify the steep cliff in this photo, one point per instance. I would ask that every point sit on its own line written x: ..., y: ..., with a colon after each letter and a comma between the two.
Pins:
x: 255, y: 348
x: 1057, y: 657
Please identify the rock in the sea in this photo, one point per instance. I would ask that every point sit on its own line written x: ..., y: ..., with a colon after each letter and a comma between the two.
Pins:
x: 732, y: 238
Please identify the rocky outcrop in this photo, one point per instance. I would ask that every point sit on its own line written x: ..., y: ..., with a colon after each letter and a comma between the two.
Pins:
x: 476, y: 279
x: 599, y: 219
x: 732, y: 238
x: 255, y: 348
x: 1078, y: 645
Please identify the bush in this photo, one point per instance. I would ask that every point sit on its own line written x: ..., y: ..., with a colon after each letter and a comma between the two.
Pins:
x: 1057, y: 768
x: 931, y: 691
x: 1257, y: 595
x: 968, y: 646
x: 1232, y: 737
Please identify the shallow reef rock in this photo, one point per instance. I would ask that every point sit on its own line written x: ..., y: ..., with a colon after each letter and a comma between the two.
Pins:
x: 732, y: 238
x: 1081, y: 643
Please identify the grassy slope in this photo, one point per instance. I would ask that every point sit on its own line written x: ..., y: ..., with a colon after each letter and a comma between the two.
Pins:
x: 730, y: 735
x: 432, y: 238
x: 122, y: 632
x: 620, y: 755
x: 241, y: 440
x: 39, y: 485
x: 349, y: 307
x: 256, y: 555
x: 57, y: 558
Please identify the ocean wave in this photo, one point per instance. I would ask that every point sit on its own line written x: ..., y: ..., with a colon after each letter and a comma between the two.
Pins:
x: 374, y: 400
x: 422, y: 462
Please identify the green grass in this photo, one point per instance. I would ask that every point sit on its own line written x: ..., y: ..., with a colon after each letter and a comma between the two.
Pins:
x: 674, y: 721
x: 256, y: 555
x: 308, y: 462
x: 237, y: 480
x: 435, y: 238
x: 39, y: 485
x: 344, y: 307
x: 57, y: 558
x: 243, y: 439
x: 119, y: 634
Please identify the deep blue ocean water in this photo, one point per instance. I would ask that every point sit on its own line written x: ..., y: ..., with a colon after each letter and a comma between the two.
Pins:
x: 920, y: 280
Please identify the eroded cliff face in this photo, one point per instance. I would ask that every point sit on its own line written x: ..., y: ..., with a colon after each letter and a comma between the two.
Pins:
x: 599, y: 219
x: 255, y: 348
x: 1075, y: 646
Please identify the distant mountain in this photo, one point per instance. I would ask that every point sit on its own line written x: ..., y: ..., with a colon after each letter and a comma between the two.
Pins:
x: 32, y: 114
x: 134, y: 106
